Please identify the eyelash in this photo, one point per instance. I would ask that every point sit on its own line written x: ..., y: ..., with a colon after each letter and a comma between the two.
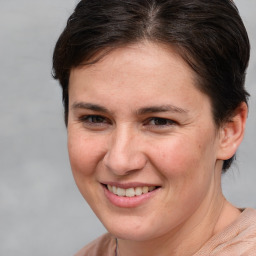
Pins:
x: 99, y: 121
x: 162, y: 122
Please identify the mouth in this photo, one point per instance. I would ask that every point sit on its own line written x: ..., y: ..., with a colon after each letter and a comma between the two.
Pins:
x: 130, y: 192
x: 130, y: 195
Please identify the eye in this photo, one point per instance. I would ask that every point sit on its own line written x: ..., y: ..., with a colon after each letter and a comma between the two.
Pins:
x: 160, y: 122
x: 94, y: 120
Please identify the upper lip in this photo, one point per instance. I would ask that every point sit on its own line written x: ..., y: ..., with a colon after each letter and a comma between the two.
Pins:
x: 129, y: 184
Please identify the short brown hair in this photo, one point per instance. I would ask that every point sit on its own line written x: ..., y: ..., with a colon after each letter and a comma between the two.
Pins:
x: 209, y: 35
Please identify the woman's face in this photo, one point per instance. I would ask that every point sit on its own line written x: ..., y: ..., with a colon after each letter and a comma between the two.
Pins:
x: 142, y: 142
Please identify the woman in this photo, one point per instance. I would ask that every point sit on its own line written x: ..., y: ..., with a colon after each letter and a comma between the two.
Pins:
x: 155, y: 108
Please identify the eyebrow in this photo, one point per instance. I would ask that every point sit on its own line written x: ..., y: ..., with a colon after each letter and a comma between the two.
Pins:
x: 141, y: 111
x: 161, y: 108
x: 89, y: 106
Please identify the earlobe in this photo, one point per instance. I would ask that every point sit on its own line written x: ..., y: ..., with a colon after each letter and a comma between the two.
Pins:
x: 232, y: 133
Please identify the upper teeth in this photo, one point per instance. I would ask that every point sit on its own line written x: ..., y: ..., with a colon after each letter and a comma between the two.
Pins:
x: 130, y: 192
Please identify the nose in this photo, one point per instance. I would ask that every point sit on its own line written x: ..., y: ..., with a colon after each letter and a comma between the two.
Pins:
x: 124, y: 154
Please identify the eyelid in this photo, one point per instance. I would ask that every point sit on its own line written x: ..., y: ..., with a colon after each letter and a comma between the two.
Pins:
x: 169, y: 122
x: 104, y: 121
x: 85, y: 119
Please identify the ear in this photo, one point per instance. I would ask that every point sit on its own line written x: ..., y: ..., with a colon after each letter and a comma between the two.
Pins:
x: 232, y: 133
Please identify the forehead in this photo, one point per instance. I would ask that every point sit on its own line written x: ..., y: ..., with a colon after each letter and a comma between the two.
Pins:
x: 145, y: 71
x: 145, y: 59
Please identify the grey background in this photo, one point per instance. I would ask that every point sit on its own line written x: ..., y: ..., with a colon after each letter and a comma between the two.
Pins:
x: 41, y: 210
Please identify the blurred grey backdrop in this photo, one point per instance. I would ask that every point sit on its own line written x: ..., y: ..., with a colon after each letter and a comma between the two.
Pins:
x: 41, y: 211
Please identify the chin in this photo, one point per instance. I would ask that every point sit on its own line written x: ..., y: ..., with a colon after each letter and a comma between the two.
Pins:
x: 130, y: 230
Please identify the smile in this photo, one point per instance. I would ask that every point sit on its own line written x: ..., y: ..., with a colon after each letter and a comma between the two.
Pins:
x: 130, y: 195
x: 130, y: 192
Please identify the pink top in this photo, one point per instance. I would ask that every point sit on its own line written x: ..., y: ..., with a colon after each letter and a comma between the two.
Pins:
x: 238, y: 239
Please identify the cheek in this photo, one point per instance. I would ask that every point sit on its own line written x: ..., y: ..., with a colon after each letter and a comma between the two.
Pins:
x: 175, y: 157
x: 84, y: 153
x: 186, y: 171
x: 184, y: 156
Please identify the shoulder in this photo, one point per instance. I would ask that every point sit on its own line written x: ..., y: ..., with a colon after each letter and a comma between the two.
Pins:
x: 102, y: 246
x: 237, y: 239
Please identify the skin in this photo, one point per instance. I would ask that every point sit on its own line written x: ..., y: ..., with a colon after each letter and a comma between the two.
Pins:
x: 137, y: 116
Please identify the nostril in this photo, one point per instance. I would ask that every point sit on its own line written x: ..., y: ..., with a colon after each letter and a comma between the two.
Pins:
x: 121, y: 163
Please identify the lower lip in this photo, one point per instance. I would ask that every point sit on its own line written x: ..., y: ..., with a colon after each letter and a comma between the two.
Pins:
x: 128, y: 202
